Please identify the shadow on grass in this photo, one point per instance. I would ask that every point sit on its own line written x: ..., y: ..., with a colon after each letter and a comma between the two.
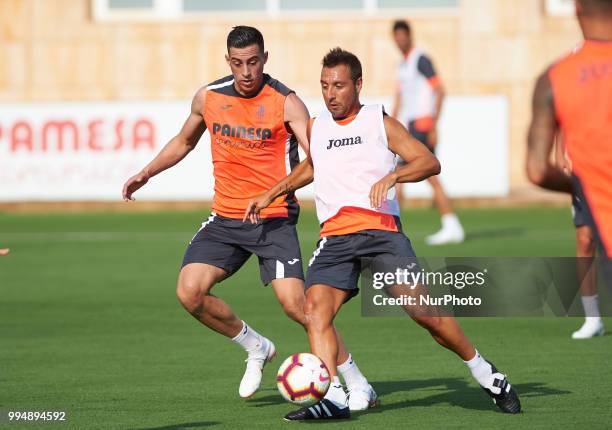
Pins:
x: 181, y: 426
x: 272, y: 397
x: 457, y: 392
x: 495, y: 233
x: 452, y: 391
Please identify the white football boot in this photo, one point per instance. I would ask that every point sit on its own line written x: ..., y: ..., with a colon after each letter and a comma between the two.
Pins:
x: 362, y: 397
x: 592, y: 327
x: 451, y: 231
x: 446, y: 235
x: 256, y: 361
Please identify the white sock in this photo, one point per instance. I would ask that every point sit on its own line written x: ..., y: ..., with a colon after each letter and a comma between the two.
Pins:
x: 351, y: 373
x: 481, y: 370
x: 248, y: 338
x: 336, y: 393
x: 450, y: 221
x: 591, y: 307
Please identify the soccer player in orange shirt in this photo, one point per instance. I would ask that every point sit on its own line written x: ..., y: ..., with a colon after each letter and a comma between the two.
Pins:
x: 573, y: 97
x: 255, y: 124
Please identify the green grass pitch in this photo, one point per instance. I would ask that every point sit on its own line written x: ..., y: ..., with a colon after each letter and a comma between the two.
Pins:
x: 89, y: 323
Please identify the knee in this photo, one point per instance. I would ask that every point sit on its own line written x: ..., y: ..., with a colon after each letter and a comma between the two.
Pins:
x: 191, y: 293
x: 316, y: 316
x: 310, y: 307
x: 585, y: 241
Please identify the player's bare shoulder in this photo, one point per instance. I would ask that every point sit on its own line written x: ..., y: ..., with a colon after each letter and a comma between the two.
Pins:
x: 295, y: 108
x: 394, y: 129
x: 543, y: 93
x: 297, y: 119
x: 199, y: 100
x: 195, y: 126
x: 391, y: 123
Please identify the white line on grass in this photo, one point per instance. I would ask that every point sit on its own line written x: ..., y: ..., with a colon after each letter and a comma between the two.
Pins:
x: 93, y: 236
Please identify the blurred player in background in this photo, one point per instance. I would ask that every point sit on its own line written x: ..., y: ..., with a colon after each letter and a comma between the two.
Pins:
x: 574, y: 97
x: 359, y: 216
x: 4, y: 251
x: 585, y: 251
x: 417, y: 105
x: 255, y: 123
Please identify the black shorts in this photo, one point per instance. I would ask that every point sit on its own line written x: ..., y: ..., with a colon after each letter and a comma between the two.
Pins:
x: 228, y: 243
x: 337, y: 261
x: 419, y: 135
x: 579, y: 215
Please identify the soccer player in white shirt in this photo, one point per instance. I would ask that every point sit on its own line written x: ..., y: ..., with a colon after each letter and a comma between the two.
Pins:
x: 417, y: 105
x: 352, y: 162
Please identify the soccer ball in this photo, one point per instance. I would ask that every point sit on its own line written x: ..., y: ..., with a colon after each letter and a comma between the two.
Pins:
x: 303, y: 379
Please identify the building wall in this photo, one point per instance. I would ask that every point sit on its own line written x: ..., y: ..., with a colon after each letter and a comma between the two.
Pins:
x: 54, y: 50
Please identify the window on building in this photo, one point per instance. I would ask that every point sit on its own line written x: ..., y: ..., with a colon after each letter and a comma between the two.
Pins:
x: 398, y: 4
x: 130, y: 4
x: 229, y: 5
x: 560, y: 7
x: 320, y: 4
x: 185, y: 9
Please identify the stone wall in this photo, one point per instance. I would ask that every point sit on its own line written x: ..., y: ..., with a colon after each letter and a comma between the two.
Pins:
x: 55, y: 50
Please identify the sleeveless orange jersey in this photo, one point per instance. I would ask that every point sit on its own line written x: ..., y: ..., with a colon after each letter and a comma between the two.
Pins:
x: 351, y: 219
x: 251, y: 148
x: 582, y: 91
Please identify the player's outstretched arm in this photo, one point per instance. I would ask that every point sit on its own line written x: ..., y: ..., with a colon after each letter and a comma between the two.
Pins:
x: 299, y: 177
x: 420, y: 162
x: 544, y: 127
x: 175, y: 150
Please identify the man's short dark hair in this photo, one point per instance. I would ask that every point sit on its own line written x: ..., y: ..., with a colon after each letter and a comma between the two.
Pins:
x: 242, y: 36
x: 401, y: 24
x: 338, y: 56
